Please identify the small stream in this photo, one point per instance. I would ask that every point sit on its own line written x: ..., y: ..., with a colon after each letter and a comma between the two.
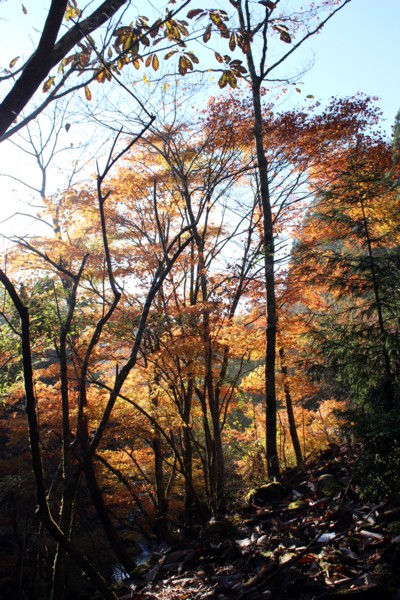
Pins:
x: 118, y: 572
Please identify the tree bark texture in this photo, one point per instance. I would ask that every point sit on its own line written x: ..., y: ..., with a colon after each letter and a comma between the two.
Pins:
x: 49, y: 53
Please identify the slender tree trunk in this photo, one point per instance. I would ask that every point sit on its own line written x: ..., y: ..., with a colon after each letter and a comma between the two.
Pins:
x: 217, y: 470
x: 66, y: 519
x: 188, y: 455
x: 207, y: 462
x: 269, y: 276
x: 40, y: 580
x: 162, y: 503
x: 158, y: 451
x: 115, y: 541
x: 387, y: 395
x: 289, y: 406
x: 268, y: 243
x: 214, y: 444
x: 70, y: 473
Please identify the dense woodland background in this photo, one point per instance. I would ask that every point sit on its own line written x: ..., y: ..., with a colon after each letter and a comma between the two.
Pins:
x: 211, y: 300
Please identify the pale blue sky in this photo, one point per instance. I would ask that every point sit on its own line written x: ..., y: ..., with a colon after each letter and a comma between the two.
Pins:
x: 358, y: 51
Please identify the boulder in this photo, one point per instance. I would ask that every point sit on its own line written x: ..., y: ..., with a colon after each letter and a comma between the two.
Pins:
x: 328, y: 485
x: 269, y: 493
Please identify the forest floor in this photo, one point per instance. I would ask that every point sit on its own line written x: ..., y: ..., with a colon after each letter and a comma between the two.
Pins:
x: 311, y: 537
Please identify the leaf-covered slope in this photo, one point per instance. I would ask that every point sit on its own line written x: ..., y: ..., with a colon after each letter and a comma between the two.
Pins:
x: 316, y: 539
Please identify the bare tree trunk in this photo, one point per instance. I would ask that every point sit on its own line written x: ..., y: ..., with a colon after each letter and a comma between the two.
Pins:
x: 162, y: 503
x: 70, y: 473
x: 289, y: 406
x: 267, y: 243
x: 49, y: 53
x: 188, y: 455
x: 256, y: 77
x: 269, y: 278
x: 387, y: 395
x: 43, y: 507
x: 115, y: 541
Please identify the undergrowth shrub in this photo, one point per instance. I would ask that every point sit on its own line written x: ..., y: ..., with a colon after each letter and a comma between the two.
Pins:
x: 378, y: 470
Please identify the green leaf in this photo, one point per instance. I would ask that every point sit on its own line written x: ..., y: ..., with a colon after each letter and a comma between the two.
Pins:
x: 223, y: 81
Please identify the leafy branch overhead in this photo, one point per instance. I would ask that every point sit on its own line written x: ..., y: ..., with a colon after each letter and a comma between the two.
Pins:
x: 137, y: 43
x: 78, y: 53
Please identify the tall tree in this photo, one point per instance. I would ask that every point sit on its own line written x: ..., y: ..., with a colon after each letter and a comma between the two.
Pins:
x: 396, y: 142
x: 254, y: 33
x: 204, y: 166
x: 354, y: 258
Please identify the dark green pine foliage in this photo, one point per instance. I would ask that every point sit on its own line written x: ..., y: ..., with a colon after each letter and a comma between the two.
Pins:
x: 359, y: 267
x: 357, y: 264
x: 396, y: 144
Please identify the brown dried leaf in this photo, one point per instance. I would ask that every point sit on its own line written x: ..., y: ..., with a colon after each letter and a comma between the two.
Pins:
x: 207, y: 34
x: 155, y: 62
x: 13, y: 62
x: 283, y: 33
x: 47, y: 85
x: 268, y: 4
x: 182, y: 65
x: 88, y: 93
x: 194, y: 13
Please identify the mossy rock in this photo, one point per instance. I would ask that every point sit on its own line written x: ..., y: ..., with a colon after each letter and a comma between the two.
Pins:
x: 394, y: 527
x: 390, y: 516
x: 328, y: 485
x: 269, y: 493
x: 219, y: 530
x: 241, y: 521
x: 297, y: 505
